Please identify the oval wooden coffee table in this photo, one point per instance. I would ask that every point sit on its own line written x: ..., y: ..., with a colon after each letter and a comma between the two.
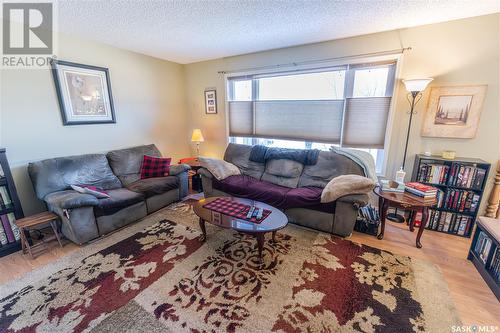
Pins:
x: 275, y: 221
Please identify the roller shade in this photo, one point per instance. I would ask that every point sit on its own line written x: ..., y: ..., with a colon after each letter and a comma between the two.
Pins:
x: 365, y: 122
x: 319, y: 121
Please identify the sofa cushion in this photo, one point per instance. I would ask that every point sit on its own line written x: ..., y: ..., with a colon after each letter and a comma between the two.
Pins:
x: 283, y: 172
x: 58, y: 174
x: 126, y: 163
x: 154, y: 186
x: 239, y: 155
x: 70, y: 199
x: 220, y: 169
x: 329, y: 165
x: 272, y: 194
x: 118, y: 199
x: 284, y: 168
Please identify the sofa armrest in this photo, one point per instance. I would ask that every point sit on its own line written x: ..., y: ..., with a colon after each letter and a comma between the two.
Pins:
x: 205, y: 173
x: 181, y: 172
x: 355, y: 199
x: 70, y: 199
x: 178, y: 168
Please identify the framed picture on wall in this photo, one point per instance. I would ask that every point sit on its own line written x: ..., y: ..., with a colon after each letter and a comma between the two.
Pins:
x: 454, y: 112
x: 84, y: 93
x: 210, y: 101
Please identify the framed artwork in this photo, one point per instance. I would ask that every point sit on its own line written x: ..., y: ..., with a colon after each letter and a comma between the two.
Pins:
x: 454, y: 112
x: 84, y: 93
x: 210, y: 101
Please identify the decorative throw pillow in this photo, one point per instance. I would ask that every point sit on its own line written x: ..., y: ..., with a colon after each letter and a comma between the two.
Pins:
x: 87, y: 189
x: 155, y: 167
x: 345, y: 185
x: 219, y: 168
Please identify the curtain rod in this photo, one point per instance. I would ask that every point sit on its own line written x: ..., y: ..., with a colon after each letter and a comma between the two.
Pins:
x: 318, y: 61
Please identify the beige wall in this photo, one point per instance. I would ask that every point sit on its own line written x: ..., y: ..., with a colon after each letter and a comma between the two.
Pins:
x: 161, y: 102
x: 149, y: 103
x: 460, y: 52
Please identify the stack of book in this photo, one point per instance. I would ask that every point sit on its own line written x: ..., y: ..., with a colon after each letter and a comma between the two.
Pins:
x: 423, y: 191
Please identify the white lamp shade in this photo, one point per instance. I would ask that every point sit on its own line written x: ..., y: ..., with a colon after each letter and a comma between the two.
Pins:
x: 197, y: 136
x: 416, y: 84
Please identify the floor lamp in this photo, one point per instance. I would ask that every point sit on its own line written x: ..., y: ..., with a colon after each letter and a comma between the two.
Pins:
x: 414, y: 88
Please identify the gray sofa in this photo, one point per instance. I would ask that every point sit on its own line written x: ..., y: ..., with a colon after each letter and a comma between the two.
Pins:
x: 85, y: 217
x: 292, y: 187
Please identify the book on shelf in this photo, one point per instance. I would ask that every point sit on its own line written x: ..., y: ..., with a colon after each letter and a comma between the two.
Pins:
x: 4, y: 196
x: 457, y: 175
x: 466, y: 176
x: 9, y: 232
x: 495, y: 265
x: 432, y: 173
x: 462, y: 201
x: 387, y: 185
x: 449, y: 222
x: 483, y: 246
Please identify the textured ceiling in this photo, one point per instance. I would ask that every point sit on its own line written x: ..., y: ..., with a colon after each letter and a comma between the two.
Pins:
x: 190, y: 31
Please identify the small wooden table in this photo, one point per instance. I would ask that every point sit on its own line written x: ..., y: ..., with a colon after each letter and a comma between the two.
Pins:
x: 405, y: 201
x: 26, y: 223
x: 274, y: 222
x: 195, y: 177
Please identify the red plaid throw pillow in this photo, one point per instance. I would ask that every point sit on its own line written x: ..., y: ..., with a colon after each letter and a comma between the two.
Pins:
x: 155, y: 167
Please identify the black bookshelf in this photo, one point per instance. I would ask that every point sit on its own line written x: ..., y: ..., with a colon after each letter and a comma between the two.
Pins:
x: 486, y: 257
x: 14, y: 206
x: 461, y: 184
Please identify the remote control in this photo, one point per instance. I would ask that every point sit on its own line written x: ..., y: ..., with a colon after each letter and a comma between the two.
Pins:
x: 250, y: 212
x: 259, y: 214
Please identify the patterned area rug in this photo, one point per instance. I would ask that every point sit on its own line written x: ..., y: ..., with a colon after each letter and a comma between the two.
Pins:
x: 156, y: 276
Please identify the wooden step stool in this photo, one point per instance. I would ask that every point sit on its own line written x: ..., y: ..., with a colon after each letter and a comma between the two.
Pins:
x: 26, y: 223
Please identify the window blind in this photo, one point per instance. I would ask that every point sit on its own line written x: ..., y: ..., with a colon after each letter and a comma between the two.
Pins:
x: 365, y: 122
x: 352, y: 117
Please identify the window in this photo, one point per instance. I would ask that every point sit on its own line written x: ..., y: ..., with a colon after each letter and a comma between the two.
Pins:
x: 344, y: 106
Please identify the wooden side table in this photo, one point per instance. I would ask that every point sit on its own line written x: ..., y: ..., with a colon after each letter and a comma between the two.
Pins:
x: 26, y: 223
x: 405, y: 201
x: 195, y: 178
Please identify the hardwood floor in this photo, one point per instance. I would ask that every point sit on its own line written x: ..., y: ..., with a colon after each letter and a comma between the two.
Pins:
x: 474, y: 300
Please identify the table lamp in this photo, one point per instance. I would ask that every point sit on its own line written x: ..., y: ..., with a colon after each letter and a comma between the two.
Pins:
x: 414, y: 88
x: 198, y: 138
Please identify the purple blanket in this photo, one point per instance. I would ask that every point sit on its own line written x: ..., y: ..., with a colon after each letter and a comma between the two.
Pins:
x: 272, y: 194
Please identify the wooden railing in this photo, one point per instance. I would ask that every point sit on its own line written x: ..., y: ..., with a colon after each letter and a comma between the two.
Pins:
x: 494, y: 199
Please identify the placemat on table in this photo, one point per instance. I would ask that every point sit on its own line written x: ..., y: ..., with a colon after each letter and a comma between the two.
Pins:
x: 234, y: 209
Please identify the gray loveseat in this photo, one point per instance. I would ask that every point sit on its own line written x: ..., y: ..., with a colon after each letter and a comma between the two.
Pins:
x: 291, y: 186
x: 85, y: 217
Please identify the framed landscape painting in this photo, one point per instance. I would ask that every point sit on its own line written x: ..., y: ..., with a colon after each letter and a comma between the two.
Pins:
x: 84, y: 93
x: 454, y: 112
